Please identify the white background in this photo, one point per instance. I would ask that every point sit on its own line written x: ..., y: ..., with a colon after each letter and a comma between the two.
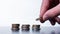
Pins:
x: 20, y: 11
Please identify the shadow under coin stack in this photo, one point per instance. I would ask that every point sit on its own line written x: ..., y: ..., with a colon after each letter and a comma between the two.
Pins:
x: 35, y: 27
x: 25, y: 27
x: 15, y: 27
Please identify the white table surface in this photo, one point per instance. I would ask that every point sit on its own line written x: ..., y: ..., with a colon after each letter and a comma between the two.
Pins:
x: 44, y: 30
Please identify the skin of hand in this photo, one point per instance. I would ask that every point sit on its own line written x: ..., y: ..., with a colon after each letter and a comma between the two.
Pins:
x: 50, y: 9
x: 54, y: 12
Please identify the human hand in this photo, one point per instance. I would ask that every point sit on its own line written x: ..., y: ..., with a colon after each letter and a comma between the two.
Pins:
x: 49, y: 11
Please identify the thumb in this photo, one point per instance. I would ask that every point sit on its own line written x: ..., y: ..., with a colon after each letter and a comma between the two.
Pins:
x: 52, y: 13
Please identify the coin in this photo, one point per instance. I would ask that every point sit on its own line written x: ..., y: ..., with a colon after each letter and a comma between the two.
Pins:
x: 36, y: 27
x: 25, y: 27
x: 15, y: 27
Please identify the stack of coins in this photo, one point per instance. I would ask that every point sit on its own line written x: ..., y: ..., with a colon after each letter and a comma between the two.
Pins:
x: 25, y: 27
x: 36, y: 27
x: 15, y: 27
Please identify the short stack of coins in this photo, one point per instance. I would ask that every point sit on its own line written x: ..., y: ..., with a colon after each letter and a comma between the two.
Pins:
x: 25, y: 27
x: 36, y: 27
x: 15, y: 27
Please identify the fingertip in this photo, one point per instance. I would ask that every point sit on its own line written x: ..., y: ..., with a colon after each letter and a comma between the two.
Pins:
x: 45, y: 18
x: 58, y: 20
x: 52, y: 21
x: 41, y: 20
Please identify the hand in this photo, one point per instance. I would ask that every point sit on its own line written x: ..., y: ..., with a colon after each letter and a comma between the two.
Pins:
x: 49, y: 11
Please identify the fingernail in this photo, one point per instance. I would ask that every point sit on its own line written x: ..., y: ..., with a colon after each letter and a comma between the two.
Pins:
x: 45, y: 18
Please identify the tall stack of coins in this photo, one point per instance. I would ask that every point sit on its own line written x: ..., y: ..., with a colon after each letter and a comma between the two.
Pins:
x: 15, y: 27
x: 25, y: 27
x: 36, y: 27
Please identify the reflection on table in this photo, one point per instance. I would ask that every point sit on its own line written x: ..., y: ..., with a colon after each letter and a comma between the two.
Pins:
x: 43, y: 30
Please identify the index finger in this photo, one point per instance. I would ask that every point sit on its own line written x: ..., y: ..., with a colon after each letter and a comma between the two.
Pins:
x: 44, y: 8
